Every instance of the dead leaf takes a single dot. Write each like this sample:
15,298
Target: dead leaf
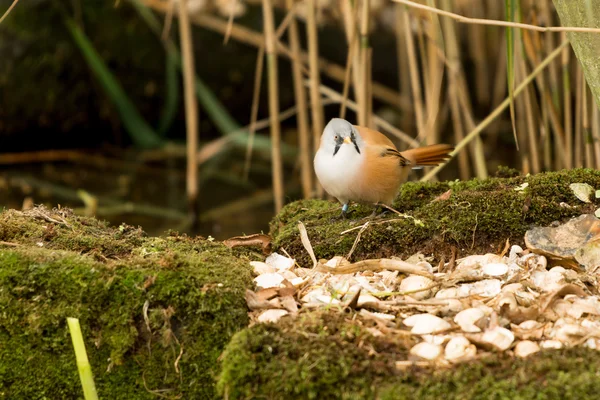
258,239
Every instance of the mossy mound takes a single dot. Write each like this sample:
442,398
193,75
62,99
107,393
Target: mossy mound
155,312
478,217
332,355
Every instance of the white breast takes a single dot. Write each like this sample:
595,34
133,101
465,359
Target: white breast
337,174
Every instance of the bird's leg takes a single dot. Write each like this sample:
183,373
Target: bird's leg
377,211
345,212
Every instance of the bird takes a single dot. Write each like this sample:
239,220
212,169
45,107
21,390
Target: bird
359,164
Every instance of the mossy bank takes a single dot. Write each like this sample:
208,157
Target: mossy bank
332,355
155,312
473,217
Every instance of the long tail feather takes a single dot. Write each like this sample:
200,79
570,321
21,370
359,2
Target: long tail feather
429,155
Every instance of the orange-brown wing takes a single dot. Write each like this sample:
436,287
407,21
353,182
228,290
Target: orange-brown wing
383,145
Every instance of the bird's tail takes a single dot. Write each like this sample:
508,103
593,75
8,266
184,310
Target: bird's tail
429,155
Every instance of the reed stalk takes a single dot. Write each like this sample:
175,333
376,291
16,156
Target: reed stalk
304,136
191,109
315,80
271,55
414,75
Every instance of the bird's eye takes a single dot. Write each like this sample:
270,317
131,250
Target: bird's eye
336,137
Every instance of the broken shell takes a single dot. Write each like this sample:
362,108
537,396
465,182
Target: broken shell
279,262
498,337
261,267
423,324
413,283
268,280
377,315
466,319
289,275
297,282
427,351
551,344
548,281
459,348
271,315
515,250
366,300
529,329
583,191
526,348
495,269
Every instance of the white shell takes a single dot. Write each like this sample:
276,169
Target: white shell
583,191
268,280
367,299
261,267
416,282
525,348
551,344
427,351
424,324
279,262
499,337
495,269
459,348
466,319
271,315
548,281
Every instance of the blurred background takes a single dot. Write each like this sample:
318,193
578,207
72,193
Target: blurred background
203,115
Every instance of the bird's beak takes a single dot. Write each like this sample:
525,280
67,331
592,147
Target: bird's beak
347,140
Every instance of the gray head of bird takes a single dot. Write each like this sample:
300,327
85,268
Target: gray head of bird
338,133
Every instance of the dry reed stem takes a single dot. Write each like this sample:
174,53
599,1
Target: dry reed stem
168,21
271,55
568,121
585,126
315,81
578,143
454,68
596,134
414,75
304,142
435,72
403,68
353,45
499,109
363,114
532,150
491,22
191,106
14,3
254,109
349,15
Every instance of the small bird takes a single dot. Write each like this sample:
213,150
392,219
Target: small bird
359,164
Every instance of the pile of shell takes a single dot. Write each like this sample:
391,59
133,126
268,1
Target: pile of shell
517,301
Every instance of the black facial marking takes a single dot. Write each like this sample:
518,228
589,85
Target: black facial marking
337,147
353,138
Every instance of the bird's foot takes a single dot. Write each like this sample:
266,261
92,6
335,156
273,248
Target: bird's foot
344,214
380,211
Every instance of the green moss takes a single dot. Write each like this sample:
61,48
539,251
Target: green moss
331,355
193,288
479,216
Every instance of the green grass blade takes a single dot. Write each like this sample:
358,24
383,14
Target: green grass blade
83,364
138,129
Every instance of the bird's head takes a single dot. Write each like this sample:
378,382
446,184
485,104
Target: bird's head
338,133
